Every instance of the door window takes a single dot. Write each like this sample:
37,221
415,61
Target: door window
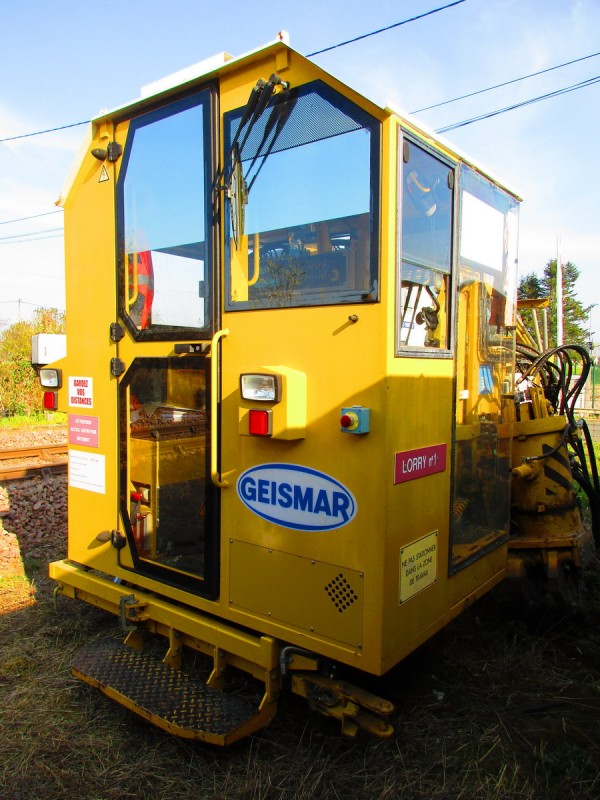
167,498
164,234
425,256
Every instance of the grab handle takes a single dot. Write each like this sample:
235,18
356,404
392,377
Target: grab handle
214,400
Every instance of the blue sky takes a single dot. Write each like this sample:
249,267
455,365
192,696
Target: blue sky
66,61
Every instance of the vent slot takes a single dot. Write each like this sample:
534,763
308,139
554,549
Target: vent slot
341,593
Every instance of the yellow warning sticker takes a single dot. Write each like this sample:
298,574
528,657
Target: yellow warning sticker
418,566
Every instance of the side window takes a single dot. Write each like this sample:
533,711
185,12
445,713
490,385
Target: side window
164,251
303,208
425,250
485,315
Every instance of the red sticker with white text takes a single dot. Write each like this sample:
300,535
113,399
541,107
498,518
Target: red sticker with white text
83,430
418,463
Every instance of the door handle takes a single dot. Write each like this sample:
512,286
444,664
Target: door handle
214,399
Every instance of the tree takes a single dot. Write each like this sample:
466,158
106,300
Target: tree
530,286
574,313
19,385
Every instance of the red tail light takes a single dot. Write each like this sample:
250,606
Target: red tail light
259,422
50,401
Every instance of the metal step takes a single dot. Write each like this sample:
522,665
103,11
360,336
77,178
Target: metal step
171,699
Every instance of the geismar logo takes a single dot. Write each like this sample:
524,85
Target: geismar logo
296,497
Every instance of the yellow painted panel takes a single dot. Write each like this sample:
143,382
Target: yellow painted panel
325,599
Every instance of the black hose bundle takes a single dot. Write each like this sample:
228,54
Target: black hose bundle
554,370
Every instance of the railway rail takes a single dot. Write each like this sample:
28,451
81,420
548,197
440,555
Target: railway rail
25,462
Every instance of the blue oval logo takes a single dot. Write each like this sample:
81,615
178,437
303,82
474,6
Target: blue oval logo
296,497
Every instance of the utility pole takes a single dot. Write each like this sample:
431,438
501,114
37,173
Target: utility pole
559,296
591,349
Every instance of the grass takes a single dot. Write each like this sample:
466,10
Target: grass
492,708
16,592
495,707
40,419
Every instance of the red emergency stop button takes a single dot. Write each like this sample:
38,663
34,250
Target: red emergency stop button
349,421
355,419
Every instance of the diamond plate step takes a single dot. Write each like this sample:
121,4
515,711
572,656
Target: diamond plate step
171,699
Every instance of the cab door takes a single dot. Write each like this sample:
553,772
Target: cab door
166,321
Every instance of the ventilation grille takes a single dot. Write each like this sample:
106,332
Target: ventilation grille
341,593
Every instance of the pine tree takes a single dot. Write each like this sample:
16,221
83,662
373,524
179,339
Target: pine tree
574,313
531,287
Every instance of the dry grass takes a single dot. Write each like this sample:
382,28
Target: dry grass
491,709
16,592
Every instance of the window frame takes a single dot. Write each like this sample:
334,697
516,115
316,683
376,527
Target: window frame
415,351
465,173
206,585
366,121
206,97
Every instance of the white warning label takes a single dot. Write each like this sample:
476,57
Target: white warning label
87,471
81,392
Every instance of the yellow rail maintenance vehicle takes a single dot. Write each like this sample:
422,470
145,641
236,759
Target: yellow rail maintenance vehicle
297,409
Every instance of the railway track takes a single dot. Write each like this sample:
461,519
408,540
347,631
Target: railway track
25,462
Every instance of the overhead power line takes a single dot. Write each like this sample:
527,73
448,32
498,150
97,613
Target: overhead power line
381,30
48,130
35,238
309,55
455,125
32,216
505,83
31,233
24,302
489,114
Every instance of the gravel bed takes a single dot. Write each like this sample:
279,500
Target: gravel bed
33,512
32,437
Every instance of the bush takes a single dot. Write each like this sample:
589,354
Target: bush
20,392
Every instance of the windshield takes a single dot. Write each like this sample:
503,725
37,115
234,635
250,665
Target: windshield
310,169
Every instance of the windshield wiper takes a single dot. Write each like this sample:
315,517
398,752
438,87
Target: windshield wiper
235,184
280,114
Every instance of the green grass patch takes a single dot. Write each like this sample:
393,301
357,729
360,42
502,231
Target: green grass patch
39,419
